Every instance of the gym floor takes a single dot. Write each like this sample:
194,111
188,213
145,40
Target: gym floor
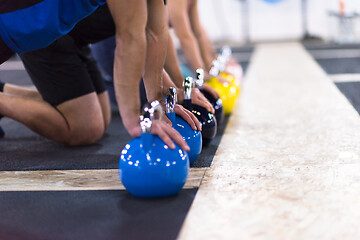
284,165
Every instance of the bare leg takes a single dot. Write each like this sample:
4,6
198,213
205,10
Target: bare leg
26,92
105,107
78,121
32,93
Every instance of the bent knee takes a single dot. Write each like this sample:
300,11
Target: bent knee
86,136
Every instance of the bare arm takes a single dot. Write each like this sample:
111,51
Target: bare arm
176,79
130,20
179,19
172,65
207,50
157,40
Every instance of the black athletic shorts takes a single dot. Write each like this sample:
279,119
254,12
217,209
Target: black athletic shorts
5,51
66,69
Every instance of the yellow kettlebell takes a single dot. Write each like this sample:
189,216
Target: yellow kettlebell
219,67
231,78
227,91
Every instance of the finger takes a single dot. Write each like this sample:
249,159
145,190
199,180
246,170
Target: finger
187,117
158,129
180,95
167,120
183,113
205,104
135,132
211,91
194,118
177,138
209,107
202,101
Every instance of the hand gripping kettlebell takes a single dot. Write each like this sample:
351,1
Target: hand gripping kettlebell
192,137
208,120
148,167
217,103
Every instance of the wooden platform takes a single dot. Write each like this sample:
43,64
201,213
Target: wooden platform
75,180
288,166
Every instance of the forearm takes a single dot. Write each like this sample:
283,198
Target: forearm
157,40
154,65
130,20
172,64
127,75
207,50
192,52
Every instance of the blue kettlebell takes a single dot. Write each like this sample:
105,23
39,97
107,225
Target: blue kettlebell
208,120
148,168
217,103
192,137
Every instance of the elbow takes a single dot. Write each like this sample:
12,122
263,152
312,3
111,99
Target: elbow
186,40
130,40
157,35
130,36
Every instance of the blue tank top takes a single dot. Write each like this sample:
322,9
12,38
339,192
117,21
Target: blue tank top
25,26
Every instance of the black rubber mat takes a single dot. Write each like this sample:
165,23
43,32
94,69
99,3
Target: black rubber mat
243,49
332,46
340,65
244,65
351,90
23,150
91,215
208,152
318,44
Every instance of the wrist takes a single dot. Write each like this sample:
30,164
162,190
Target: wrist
180,95
206,76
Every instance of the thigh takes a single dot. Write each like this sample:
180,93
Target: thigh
84,118
82,111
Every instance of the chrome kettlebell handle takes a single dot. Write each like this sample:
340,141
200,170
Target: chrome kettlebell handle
171,100
224,57
151,111
226,52
199,82
222,62
214,71
188,83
